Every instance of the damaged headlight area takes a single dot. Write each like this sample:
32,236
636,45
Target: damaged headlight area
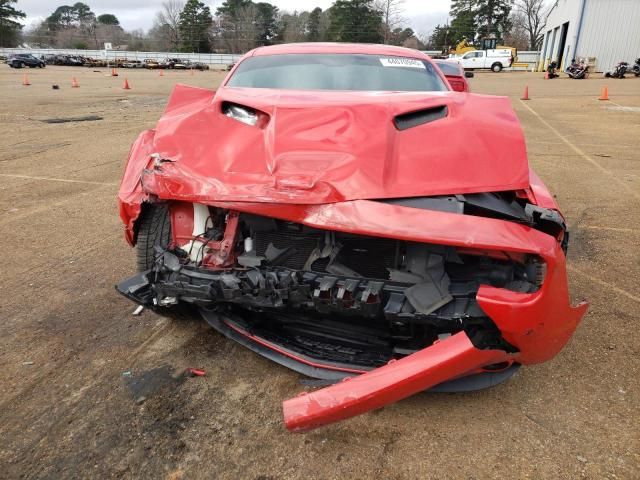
337,299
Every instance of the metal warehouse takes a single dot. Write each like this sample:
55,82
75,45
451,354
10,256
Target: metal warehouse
605,31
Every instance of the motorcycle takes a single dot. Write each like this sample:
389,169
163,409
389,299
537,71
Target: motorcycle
636,68
619,70
551,70
577,70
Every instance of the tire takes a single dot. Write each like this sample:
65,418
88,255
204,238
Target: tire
496,67
22,65
154,229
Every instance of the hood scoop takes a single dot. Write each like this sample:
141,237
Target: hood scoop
420,117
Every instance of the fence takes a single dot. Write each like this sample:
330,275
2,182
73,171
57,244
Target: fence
208,58
530,58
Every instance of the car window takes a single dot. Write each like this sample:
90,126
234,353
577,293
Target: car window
449,68
353,72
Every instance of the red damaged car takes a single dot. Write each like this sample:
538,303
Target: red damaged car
338,209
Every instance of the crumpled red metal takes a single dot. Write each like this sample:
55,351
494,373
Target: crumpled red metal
317,149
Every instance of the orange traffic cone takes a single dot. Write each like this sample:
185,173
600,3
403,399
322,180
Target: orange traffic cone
114,73
525,94
25,80
161,74
74,83
126,86
605,93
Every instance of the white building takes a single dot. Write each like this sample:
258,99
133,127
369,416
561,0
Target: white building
607,30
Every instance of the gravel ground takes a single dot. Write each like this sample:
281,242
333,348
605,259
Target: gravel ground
91,391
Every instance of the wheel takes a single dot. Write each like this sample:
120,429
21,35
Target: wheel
496,67
41,65
154,229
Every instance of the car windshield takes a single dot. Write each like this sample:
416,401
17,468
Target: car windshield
337,72
449,68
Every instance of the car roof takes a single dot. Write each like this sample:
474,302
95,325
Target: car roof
322,47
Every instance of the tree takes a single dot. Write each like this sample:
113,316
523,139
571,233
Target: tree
63,17
355,21
439,39
517,37
238,25
83,14
463,21
492,17
267,26
166,25
402,36
391,17
462,26
9,27
107,19
195,22
531,16
313,25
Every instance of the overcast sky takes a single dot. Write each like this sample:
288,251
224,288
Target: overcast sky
421,15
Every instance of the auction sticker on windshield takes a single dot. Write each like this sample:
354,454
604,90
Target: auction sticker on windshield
402,62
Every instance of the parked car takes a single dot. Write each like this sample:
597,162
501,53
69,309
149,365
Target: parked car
338,209
152,64
133,64
496,59
196,65
176,63
48,59
455,74
95,62
21,60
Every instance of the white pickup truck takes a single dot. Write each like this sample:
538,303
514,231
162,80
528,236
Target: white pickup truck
495,60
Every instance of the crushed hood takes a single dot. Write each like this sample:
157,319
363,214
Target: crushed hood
322,147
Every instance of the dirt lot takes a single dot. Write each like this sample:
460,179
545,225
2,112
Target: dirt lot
91,391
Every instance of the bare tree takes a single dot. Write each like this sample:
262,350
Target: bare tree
239,31
392,18
532,16
517,36
167,23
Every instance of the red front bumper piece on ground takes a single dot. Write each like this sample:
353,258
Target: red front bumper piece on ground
447,359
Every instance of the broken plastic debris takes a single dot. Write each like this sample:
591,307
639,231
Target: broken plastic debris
127,373
194,372
27,363
139,309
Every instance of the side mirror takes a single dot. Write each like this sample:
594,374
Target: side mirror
468,74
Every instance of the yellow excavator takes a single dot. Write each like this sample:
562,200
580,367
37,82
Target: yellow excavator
485,44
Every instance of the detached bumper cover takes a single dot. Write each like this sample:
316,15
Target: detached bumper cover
450,358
